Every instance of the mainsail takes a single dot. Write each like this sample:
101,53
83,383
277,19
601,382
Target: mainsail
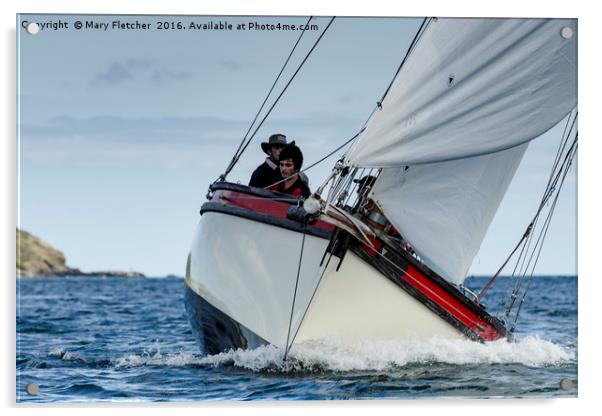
456,122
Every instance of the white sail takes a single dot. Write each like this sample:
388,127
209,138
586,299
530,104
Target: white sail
472,87
444,209
459,114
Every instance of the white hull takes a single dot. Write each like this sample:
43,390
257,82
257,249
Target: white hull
357,304
247,270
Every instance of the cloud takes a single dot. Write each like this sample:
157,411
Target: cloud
314,127
165,76
137,63
134,69
230,65
346,99
115,140
116,74
146,130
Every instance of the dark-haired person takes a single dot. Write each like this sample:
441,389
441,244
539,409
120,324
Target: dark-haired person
268,172
291,161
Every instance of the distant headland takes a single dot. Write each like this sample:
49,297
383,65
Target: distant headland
37,258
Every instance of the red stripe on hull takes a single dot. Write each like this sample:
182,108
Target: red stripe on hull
266,206
450,304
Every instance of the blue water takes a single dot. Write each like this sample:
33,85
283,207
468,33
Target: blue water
92,340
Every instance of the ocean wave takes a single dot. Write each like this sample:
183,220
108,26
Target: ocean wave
380,356
64,355
157,359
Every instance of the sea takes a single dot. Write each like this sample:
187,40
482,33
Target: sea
90,340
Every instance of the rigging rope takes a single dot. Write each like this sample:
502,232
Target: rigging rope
417,36
518,279
541,237
336,233
543,232
425,22
529,256
236,154
550,188
290,321
569,156
237,157
495,276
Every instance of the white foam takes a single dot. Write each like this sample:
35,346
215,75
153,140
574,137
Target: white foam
63,354
57,352
258,359
156,359
333,356
380,356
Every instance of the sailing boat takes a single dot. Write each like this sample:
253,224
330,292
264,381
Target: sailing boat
387,260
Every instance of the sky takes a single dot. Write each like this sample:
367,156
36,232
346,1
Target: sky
121,131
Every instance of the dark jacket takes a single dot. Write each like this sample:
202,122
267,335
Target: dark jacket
265,176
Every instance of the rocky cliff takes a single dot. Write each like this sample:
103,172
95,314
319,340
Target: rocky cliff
37,258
